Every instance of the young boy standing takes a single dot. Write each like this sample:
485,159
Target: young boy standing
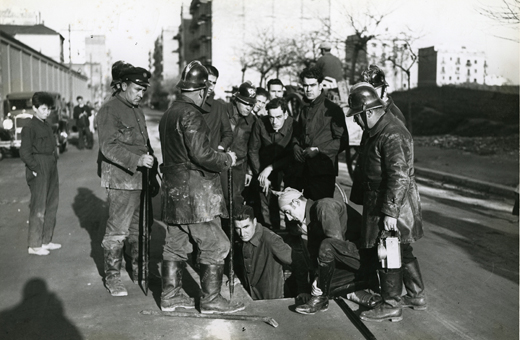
38,152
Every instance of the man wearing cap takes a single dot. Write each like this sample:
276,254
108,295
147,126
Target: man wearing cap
317,136
242,120
192,198
215,115
125,152
331,236
328,64
391,200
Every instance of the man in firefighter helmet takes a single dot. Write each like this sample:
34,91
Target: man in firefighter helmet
390,200
192,198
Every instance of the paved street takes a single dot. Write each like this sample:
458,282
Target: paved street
469,260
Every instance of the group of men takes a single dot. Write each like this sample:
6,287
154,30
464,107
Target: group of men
289,165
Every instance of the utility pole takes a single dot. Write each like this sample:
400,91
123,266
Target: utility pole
70,78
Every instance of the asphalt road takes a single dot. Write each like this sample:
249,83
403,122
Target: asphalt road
469,260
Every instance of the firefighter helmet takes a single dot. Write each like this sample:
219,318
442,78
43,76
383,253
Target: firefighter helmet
363,96
374,76
194,77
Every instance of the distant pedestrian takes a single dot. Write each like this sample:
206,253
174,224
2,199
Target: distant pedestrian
81,115
38,152
328,64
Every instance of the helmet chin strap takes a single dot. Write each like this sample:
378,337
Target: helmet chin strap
364,117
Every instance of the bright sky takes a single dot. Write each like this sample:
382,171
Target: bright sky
132,26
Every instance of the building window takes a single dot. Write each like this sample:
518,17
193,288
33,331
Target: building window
475,61
475,70
457,78
469,72
450,58
450,77
442,70
475,80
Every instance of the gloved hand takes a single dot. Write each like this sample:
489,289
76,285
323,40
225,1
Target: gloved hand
299,154
311,152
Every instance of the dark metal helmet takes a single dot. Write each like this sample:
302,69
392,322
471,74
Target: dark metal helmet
194,77
363,96
374,76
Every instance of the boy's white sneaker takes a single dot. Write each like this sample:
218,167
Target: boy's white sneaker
38,251
51,246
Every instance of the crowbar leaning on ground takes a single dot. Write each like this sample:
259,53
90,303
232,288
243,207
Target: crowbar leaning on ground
266,319
231,231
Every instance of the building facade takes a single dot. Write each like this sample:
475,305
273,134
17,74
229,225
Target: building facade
211,37
440,66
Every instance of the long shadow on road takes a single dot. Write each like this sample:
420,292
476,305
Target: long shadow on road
39,315
493,250
92,213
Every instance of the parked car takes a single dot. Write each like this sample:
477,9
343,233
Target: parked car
18,110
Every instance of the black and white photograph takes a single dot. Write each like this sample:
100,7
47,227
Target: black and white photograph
259,169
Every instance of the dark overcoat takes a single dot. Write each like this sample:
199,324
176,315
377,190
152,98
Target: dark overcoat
191,189
388,179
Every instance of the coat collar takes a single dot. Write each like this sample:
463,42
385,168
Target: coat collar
381,123
259,231
188,100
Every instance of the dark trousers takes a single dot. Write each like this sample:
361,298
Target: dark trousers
84,133
43,206
123,217
270,211
212,243
239,179
319,187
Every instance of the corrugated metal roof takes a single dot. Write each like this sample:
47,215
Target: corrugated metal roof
24,29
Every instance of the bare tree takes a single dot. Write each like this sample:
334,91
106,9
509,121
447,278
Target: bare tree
506,14
268,54
403,57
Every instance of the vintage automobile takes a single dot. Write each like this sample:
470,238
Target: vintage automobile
18,111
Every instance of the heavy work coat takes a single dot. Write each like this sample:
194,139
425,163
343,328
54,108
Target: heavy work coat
123,139
388,181
191,189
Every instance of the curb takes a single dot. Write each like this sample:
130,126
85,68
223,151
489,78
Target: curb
466,182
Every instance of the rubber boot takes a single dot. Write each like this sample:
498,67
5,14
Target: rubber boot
211,301
412,278
113,259
391,288
171,296
320,303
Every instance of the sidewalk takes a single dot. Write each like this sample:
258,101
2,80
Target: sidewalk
496,174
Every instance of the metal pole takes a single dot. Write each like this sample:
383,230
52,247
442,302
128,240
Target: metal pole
231,272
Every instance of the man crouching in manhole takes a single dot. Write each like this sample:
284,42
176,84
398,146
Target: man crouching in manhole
341,270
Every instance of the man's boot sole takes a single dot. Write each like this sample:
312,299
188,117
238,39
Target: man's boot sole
118,294
171,309
309,313
222,312
392,319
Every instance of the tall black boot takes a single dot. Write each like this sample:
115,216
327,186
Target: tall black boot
211,301
391,289
113,259
171,296
412,278
320,303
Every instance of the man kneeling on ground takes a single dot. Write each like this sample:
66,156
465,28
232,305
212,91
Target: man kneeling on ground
324,223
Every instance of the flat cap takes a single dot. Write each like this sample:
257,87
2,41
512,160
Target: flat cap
326,45
137,75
